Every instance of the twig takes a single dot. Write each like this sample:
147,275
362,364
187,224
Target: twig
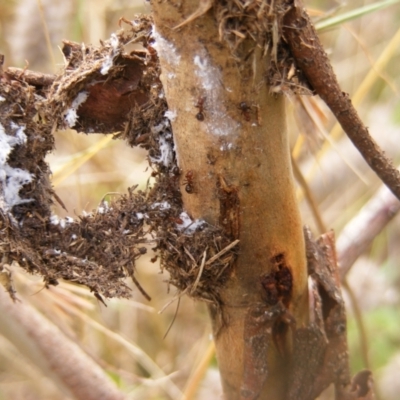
178,296
31,77
313,61
196,282
140,288
359,233
222,252
174,318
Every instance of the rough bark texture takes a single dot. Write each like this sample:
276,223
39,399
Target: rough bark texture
236,155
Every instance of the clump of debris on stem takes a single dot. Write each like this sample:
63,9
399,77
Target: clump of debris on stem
99,249
246,25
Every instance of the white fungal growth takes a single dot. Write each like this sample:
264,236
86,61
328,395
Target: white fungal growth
20,133
2,98
107,64
103,208
188,225
161,206
167,153
114,41
171,115
218,121
209,75
165,49
56,220
109,60
71,115
11,179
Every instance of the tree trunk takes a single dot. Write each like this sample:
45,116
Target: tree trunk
232,147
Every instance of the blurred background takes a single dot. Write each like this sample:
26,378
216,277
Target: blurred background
365,53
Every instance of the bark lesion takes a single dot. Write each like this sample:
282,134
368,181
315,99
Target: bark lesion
318,355
278,284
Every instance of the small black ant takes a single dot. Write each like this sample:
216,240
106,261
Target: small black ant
200,106
189,181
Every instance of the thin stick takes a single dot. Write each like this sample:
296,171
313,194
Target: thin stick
313,61
196,282
139,286
359,233
222,252
31,77
171,301
174,318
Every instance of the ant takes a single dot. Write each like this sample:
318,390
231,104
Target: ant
245,110
200,106
189,181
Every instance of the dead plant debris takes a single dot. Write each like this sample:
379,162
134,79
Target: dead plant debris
99,249
247,24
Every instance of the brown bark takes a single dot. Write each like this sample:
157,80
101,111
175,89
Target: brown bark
237,157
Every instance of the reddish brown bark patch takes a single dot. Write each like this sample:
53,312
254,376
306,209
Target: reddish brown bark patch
277,284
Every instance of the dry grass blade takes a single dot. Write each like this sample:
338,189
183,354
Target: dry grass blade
196,282
194,382
59,357
360,94
222,252
353,14
141,357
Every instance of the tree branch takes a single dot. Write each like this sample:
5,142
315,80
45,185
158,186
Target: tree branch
314,63
359,233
